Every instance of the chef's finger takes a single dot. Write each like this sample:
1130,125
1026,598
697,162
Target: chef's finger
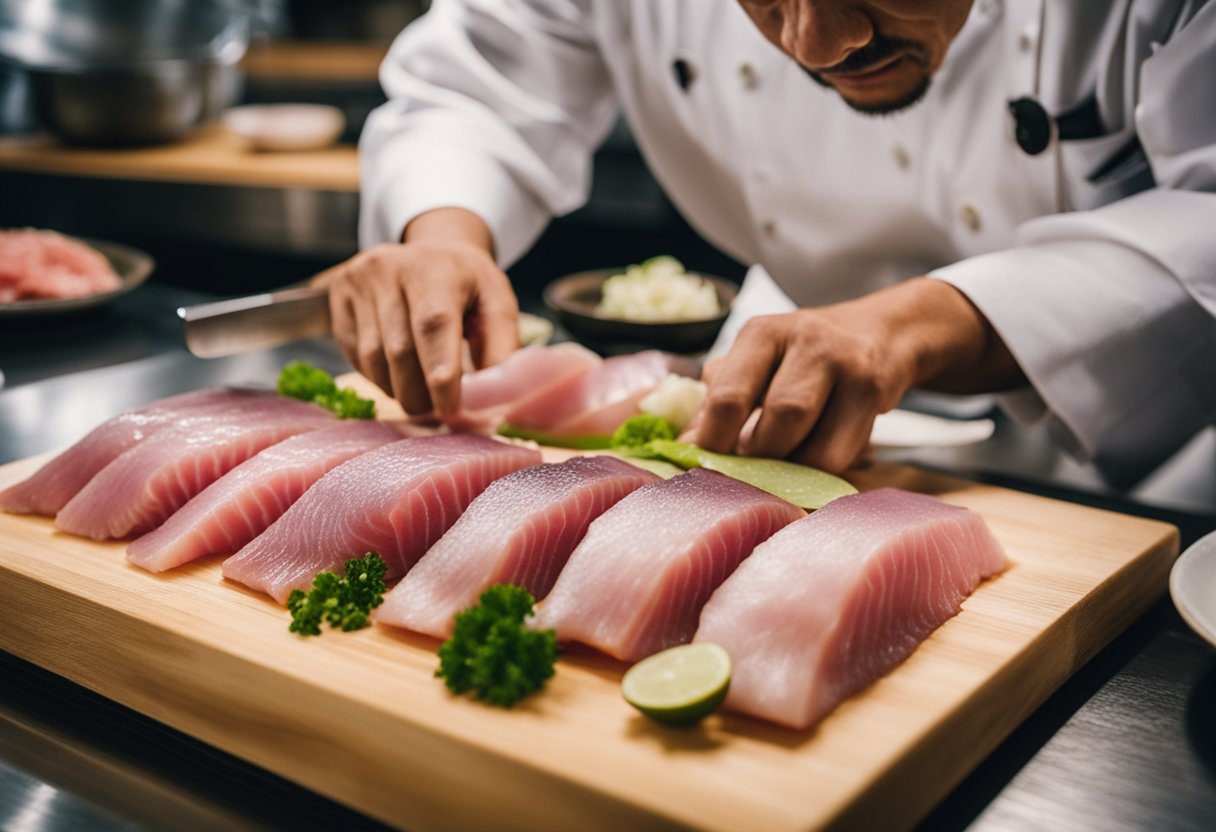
734,384
794,402
436,326
342,322
408,384
843,431
494,328
369,347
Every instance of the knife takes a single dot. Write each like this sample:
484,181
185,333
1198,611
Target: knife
256,322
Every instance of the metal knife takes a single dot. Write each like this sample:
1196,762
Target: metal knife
256,322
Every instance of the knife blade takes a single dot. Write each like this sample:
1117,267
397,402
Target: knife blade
255,322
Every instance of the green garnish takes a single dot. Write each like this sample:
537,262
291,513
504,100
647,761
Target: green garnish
312,384
640,429
344,602
579,443
637,457
801,485
492,654
680,685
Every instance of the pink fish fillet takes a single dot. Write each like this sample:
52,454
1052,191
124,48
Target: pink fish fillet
520,530
831,603
140,489
597,401
239,506
636,583
50,488
524,373
396,501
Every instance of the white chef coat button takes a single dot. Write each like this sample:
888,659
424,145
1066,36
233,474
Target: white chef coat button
748,75
970,216
769,228
902,159
1025,41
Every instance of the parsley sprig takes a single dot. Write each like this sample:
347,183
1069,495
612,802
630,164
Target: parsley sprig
303,381
492,654
343,602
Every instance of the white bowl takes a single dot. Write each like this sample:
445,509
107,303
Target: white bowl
286,126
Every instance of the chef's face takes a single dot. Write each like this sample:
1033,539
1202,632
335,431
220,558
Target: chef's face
878,54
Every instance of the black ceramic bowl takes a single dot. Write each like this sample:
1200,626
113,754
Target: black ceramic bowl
574,299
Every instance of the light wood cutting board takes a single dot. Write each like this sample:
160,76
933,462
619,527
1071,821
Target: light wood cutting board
359,717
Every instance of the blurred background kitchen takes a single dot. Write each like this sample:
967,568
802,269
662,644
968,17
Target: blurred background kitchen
150,81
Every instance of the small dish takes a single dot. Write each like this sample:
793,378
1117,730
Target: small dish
286,127
133,267
574,299
1193,586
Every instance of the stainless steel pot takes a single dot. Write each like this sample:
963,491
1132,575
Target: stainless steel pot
126,73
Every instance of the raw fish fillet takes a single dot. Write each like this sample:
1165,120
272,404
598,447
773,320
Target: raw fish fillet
239,506
396,501
636,583
37,264
520,530
525,373
831,603
140,489
50,488
597,401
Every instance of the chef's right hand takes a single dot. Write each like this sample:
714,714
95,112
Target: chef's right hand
400,311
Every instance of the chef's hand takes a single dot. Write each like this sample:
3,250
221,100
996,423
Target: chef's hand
819,376
400,311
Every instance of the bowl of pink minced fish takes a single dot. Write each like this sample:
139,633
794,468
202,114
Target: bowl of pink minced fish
45,272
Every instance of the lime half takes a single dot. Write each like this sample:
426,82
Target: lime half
679,685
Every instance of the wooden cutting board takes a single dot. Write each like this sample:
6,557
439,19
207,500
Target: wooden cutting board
359,717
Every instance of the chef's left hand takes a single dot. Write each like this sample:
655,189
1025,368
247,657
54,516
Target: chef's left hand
821,375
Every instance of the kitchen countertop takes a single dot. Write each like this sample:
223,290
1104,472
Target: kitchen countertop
1128,743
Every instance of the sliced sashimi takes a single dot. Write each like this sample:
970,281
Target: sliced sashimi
525,373
520,531
636,583
240,505
831,603
51,486
396,501
140,489
597,401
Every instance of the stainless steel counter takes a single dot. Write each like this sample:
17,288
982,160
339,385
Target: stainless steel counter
1128,743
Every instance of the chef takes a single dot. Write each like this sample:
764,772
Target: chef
1015,197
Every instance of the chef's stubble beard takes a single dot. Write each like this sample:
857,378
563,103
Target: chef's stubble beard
873,53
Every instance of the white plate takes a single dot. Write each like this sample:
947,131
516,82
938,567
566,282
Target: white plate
287,127
1193,586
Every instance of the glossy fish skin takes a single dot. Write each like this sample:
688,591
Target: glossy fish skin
54,484
239,506
636,583
140,489
833,602
396,500
597,401
521,530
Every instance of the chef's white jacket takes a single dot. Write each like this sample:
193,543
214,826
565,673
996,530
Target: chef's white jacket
1094,260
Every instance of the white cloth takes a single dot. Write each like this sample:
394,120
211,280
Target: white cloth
1105,292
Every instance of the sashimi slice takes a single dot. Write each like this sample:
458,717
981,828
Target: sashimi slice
636,583
137,491
597,401
831,603
239,506
396,501
525,373
520,530
52,485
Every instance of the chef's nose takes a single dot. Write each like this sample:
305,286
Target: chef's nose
822,33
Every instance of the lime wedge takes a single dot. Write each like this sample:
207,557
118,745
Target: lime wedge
801,485
680,685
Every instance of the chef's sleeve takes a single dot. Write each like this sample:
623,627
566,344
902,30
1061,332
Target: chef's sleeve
495,106
1111,312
